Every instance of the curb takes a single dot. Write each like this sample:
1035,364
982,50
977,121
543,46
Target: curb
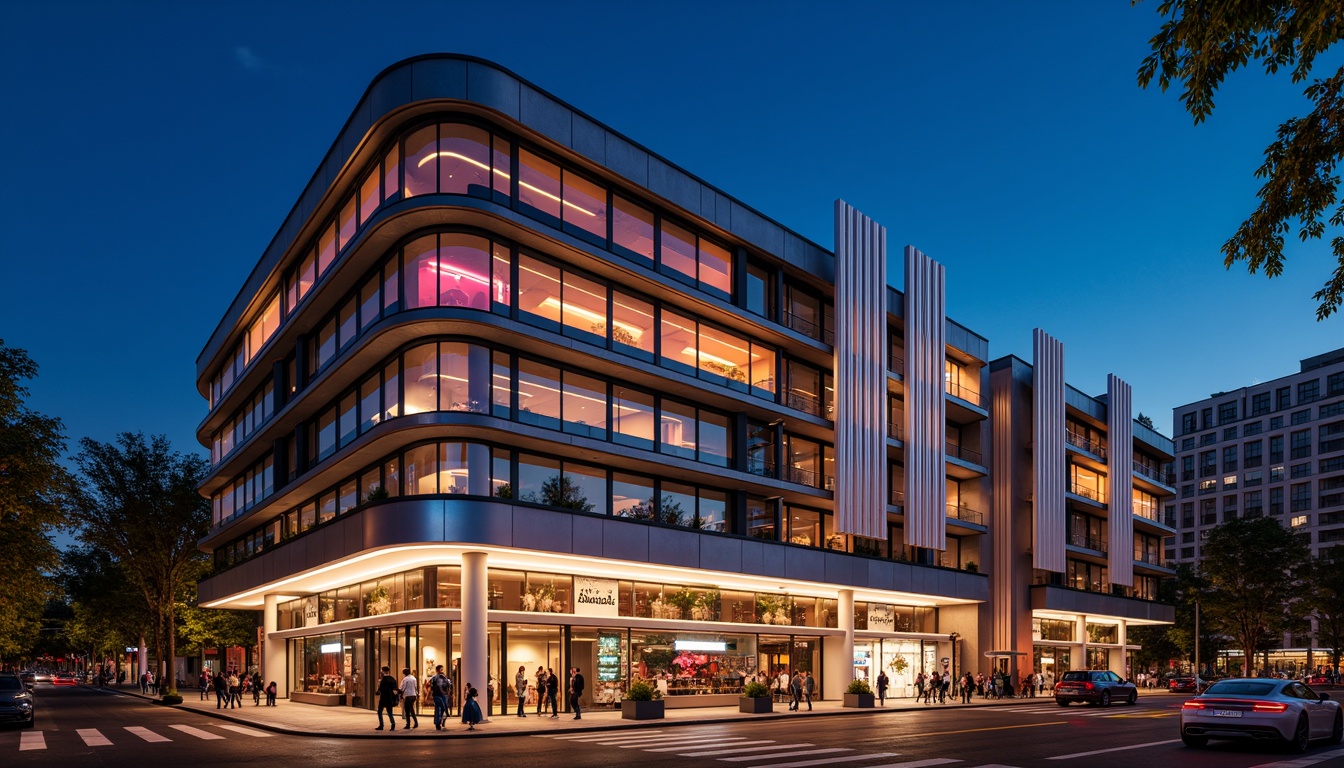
622,726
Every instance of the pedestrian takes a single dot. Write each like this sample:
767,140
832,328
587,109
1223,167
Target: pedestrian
438,688
809,685
221,692
935,687
575,692
882,683
967,687
410,693
235,690
520,688
795,690
782,684
471,711
256,689
541,690
919,686
553,692
387,699
270,694
203,682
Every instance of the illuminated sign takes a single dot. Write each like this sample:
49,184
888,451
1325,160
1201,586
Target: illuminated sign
330,648
717,646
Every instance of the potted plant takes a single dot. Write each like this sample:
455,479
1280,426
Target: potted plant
971,567
755,700
859,695
642,702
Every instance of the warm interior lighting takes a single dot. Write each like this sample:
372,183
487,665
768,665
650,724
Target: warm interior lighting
486,168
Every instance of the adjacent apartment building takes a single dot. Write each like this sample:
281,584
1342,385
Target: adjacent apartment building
1271,449
508,389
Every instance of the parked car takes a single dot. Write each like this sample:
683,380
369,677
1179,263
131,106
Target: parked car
64,678
1094,686
1260,708
16,701
1187,685
29,679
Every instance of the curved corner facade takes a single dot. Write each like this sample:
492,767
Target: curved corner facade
509,389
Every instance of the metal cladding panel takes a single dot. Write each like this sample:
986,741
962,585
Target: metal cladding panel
860,374
1120,445
925,401
1002,503
1047,392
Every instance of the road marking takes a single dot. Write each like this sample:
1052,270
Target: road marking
588,736
1302,762
1113,749
682,747
197,732
32,740
694,741
978,730
146,734
931,761
831,760
93,738
773,747
243,729
804,753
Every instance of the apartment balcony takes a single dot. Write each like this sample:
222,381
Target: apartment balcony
1148,558
1165,482
896,425
808,328
965,514
1152,520
808,477
896,365
964,463
808,403
1087,494
1082,540
964,405
1083,444
897,499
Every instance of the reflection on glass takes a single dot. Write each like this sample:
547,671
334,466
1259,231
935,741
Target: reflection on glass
632,414
464,271
421,162
678,250
539,183
464,159
632,229
585,205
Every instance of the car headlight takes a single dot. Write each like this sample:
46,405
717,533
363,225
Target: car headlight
25,705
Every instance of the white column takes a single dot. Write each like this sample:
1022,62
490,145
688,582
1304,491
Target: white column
475,618
1081,661
142,656
1118,667
925,402
838,663
1120,498
1047,499
273,662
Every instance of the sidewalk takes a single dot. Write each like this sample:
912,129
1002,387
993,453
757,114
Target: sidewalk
346,722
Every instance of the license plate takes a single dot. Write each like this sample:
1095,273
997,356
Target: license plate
1226,713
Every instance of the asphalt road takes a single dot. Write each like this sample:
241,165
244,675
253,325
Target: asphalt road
80,726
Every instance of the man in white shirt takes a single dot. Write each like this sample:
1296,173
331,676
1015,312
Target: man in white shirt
410,691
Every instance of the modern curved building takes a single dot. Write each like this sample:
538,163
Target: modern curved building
508,389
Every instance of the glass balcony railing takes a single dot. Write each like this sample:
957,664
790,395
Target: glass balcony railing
965,393
964,453
1095,543
1084,444
965,514
808,328
1151,558
1086,493
1155,474
896,425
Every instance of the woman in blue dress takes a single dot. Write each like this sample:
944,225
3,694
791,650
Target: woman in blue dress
471,711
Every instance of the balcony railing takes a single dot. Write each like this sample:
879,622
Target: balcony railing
963,453
1086,493
965,393
807,327
965,514
898,498
1155,474
761,467
1151,558
896,364
804,402
807,477
1147,512
896,425
1087,542
1082,443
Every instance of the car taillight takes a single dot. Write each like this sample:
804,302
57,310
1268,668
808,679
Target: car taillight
1269,706
1193,705
1089,686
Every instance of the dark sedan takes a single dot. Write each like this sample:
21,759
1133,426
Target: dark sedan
1187,685
16,701
1094,686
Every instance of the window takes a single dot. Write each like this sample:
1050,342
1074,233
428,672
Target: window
1207,486
1253,453
1276,474
1253,428
584,405
1230,433
1227,412
1283,397
1275,449
1187,468
1308,391
1205,418
760,518
1230,458
1333,409
1301,497
1260,404
676,254
760,290
585,208
1229,482
1334,384
538,394
539,185
632,417
1300,417
1254,503
1299,520
632,230
1301,444
1276,422
1208,463
1188,423
632,325
1209,438
584,307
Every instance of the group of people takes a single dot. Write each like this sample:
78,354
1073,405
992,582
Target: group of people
798,687
229,688
407,694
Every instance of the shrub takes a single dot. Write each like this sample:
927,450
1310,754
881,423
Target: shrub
859,686
756,691
171,699
641,690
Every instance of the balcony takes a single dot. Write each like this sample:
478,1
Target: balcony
898,499
896,364
964,453
1094,543
807,403
1149,558
962,392
808,477
1091,494
761,467
896,425
1083,444
806,327
965,514
1156,475
1147,512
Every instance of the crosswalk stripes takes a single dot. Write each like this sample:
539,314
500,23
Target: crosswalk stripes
741,746
146,734
197,732
92,738
32,740
802,753
932,761
243,729
718,741
831,760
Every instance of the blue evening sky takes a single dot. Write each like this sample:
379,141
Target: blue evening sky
152,150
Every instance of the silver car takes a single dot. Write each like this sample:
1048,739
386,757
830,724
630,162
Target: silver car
1261,708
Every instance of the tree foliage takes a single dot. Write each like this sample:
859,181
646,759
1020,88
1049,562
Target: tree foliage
1252,570
1325,595
108,612
200,628
139,502
1199,45
32,482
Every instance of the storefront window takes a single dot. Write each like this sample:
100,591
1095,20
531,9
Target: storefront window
690,664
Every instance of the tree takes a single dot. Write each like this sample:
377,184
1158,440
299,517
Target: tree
1253,572
139,501
201,628
562,491
1325,595
1199,45
32,483
108,612
1146,421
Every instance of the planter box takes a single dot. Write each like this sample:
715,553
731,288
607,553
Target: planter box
320,699
860,700
642,710
760,706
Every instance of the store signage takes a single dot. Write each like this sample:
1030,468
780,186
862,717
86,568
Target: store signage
881,618
595,597
716,646
330,648
310,611
609,657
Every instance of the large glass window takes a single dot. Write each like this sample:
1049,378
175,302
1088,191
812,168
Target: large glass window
678,342
677,254
539,184
677,429
585,206
422,161
422,470
585,306
538,394
632,417
464,271
716,268
422,379
539,292
585,406
632,325
632,229
715,443
421,275
463,159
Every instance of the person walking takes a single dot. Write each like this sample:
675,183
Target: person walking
222,692
410,693
935,687
782,684
438,688
809,686
541,690
520,688
203,682
967,687
795,690
882,682
387,699
471,711
256,689
270,694
553,692
575,692
235,690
